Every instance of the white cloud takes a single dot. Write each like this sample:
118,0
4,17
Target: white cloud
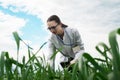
9,24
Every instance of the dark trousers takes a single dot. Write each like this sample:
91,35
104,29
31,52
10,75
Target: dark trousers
67,64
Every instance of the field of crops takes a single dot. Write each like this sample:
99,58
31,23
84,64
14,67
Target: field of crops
88,68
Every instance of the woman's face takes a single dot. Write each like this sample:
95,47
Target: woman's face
53,27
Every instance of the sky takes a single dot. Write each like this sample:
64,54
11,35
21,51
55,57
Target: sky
94,19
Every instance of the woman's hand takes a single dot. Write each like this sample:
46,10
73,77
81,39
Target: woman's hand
73,61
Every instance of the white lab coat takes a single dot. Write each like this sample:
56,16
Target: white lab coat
71,36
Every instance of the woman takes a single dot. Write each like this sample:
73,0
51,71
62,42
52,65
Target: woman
65,40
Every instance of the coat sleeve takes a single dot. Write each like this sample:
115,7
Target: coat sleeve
79,42
51,49
78,39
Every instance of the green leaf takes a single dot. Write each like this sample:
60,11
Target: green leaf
2,64
17,39
115,53
95,64
55,52
34,55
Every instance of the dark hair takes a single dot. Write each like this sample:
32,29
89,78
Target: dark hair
57,20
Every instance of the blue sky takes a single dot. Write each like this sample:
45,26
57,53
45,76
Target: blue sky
31,29
94,19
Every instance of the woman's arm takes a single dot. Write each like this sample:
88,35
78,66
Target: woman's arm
51,50
79,43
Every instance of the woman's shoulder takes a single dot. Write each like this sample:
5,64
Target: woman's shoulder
69,29
52,37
